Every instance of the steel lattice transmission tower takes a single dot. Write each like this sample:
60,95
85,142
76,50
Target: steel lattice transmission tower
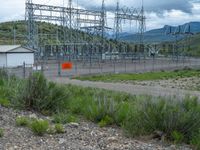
31,25
130,14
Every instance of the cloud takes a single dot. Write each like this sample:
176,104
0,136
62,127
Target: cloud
150,5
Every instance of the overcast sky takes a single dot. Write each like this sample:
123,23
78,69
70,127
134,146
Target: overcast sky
158,12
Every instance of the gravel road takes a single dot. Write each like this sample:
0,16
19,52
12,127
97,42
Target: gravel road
155,90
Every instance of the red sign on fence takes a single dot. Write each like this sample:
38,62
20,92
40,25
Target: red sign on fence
67,66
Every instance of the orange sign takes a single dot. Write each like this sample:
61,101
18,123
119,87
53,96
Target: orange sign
67,66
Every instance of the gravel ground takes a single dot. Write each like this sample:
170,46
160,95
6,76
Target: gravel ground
138,88
82,136
191,83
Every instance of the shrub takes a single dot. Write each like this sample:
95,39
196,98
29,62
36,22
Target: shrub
43,96
39,127
59,128
4,102
98,109
64,118
178,120
1,132
22,121
35,91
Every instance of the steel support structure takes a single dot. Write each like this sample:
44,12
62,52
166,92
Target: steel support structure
132,15
69,19
185,32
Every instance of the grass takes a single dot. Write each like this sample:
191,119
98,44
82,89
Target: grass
1,132
39,127
59,128
143,76
178,120
4,102
64,118
22,121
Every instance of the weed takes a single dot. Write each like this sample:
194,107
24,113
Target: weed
4,102
64,118
59,128
22,121
39,127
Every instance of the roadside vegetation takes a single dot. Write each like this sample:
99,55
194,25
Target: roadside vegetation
161,75
174,120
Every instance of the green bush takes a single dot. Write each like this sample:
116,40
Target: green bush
64,118
39,127
177,119
22,121
40,95
97,109
1,133
4,102
59,128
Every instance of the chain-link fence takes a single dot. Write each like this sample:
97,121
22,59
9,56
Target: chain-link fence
53,68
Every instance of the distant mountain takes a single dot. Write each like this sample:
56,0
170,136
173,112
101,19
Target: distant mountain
160,35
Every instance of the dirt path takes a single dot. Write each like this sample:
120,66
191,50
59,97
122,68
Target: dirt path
131,88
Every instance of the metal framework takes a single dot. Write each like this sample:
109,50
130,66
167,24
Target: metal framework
180,31
68,19
130,14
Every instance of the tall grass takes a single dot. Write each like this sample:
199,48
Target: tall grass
173,118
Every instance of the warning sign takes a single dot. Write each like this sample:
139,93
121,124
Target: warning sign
67,66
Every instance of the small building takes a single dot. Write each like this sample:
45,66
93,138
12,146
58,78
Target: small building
15,55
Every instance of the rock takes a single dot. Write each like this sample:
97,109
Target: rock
61,141
85,129
34,116
73,125
112,139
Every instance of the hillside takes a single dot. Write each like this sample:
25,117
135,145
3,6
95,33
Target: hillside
159,35
52,34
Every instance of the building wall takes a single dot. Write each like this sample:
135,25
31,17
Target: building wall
17,59
2,60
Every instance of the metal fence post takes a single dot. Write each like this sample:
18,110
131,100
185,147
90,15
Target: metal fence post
59,69
125,65
24,70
